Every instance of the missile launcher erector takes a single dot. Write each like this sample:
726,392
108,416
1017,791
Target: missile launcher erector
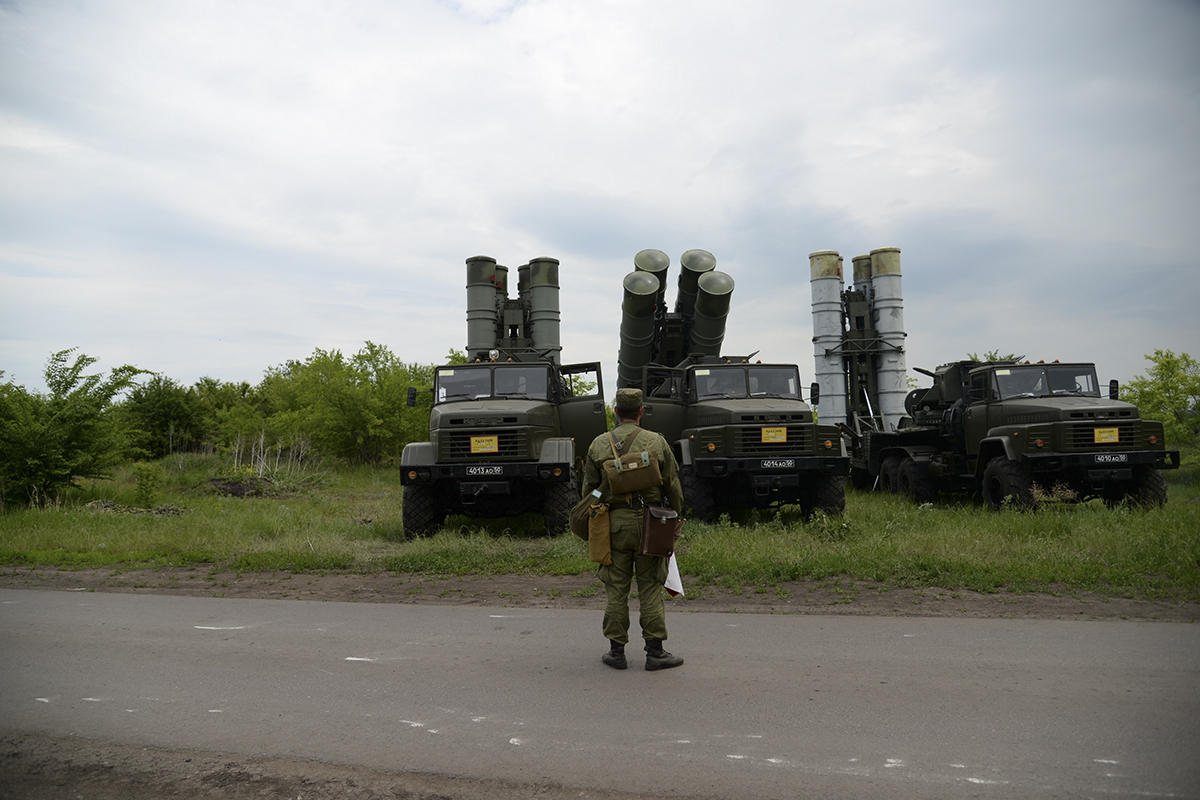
521,327
743,435
503,427
652,335
858,339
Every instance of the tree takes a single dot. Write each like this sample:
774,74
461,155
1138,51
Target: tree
167,417
1169,392
48,442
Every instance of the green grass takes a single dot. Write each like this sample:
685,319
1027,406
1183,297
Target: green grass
347,519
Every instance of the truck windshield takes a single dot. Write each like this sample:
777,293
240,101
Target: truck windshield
1021,382
1077,380
775,382
1045,380
474,383
531,383
709,383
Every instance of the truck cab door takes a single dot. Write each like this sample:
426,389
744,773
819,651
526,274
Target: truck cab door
975,417
581,413
663,394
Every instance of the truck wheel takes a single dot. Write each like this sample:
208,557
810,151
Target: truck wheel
698,496
1149,489
1004,478
419,511
889,474
914,482
557,503
831,494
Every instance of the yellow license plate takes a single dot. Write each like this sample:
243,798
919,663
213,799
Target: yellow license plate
774,435
1107,435
485,444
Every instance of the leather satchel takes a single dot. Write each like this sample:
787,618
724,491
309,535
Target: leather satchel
661,528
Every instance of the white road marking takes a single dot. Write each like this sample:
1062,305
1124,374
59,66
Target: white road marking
93,699
356,658
213,628
42,699
1106,761
515,741
412,724
737,757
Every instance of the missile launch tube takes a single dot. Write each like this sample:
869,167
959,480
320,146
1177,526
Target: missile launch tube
714,290
637,328
692,265
862,274
655,262
889,321
482,321
544,315
825,271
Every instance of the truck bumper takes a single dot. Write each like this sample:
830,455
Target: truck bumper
476,479
1102,462
778,472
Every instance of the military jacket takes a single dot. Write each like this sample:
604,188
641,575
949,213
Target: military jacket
601,450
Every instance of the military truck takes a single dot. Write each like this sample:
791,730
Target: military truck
504,427
1016,431
741,431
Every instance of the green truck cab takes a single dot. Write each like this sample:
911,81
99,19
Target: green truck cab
744,437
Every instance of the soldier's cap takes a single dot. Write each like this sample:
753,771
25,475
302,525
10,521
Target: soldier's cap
629,399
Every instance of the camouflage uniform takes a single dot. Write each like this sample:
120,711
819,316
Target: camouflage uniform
625,524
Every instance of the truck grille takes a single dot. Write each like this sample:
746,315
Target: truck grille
456,445
1082,436
748,442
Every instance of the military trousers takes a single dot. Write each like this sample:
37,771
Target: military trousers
625,525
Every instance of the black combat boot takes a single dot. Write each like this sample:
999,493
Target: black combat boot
615,657
657,658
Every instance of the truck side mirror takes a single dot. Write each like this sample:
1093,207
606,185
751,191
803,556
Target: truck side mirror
814,394
1114,390
412,396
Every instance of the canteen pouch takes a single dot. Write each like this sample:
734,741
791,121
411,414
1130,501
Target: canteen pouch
661,528
599,536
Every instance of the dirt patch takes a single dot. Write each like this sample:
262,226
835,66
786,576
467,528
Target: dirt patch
35,767
831,596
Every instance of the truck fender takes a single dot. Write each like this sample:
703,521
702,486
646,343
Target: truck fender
994,446
558,450
418,453
684,448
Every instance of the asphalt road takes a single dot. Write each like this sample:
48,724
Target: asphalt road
765,707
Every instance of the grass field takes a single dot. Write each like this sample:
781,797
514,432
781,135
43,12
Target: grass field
348,519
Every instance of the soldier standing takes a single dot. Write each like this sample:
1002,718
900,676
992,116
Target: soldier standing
625,526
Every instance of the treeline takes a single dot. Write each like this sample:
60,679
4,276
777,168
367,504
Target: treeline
328,405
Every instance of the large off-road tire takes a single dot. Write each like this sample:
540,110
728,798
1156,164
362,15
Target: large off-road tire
1149,489
1004,478
698,496
557,503
420,512
889,474
914,482
831,494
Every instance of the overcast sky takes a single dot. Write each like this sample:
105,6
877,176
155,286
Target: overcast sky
213,188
